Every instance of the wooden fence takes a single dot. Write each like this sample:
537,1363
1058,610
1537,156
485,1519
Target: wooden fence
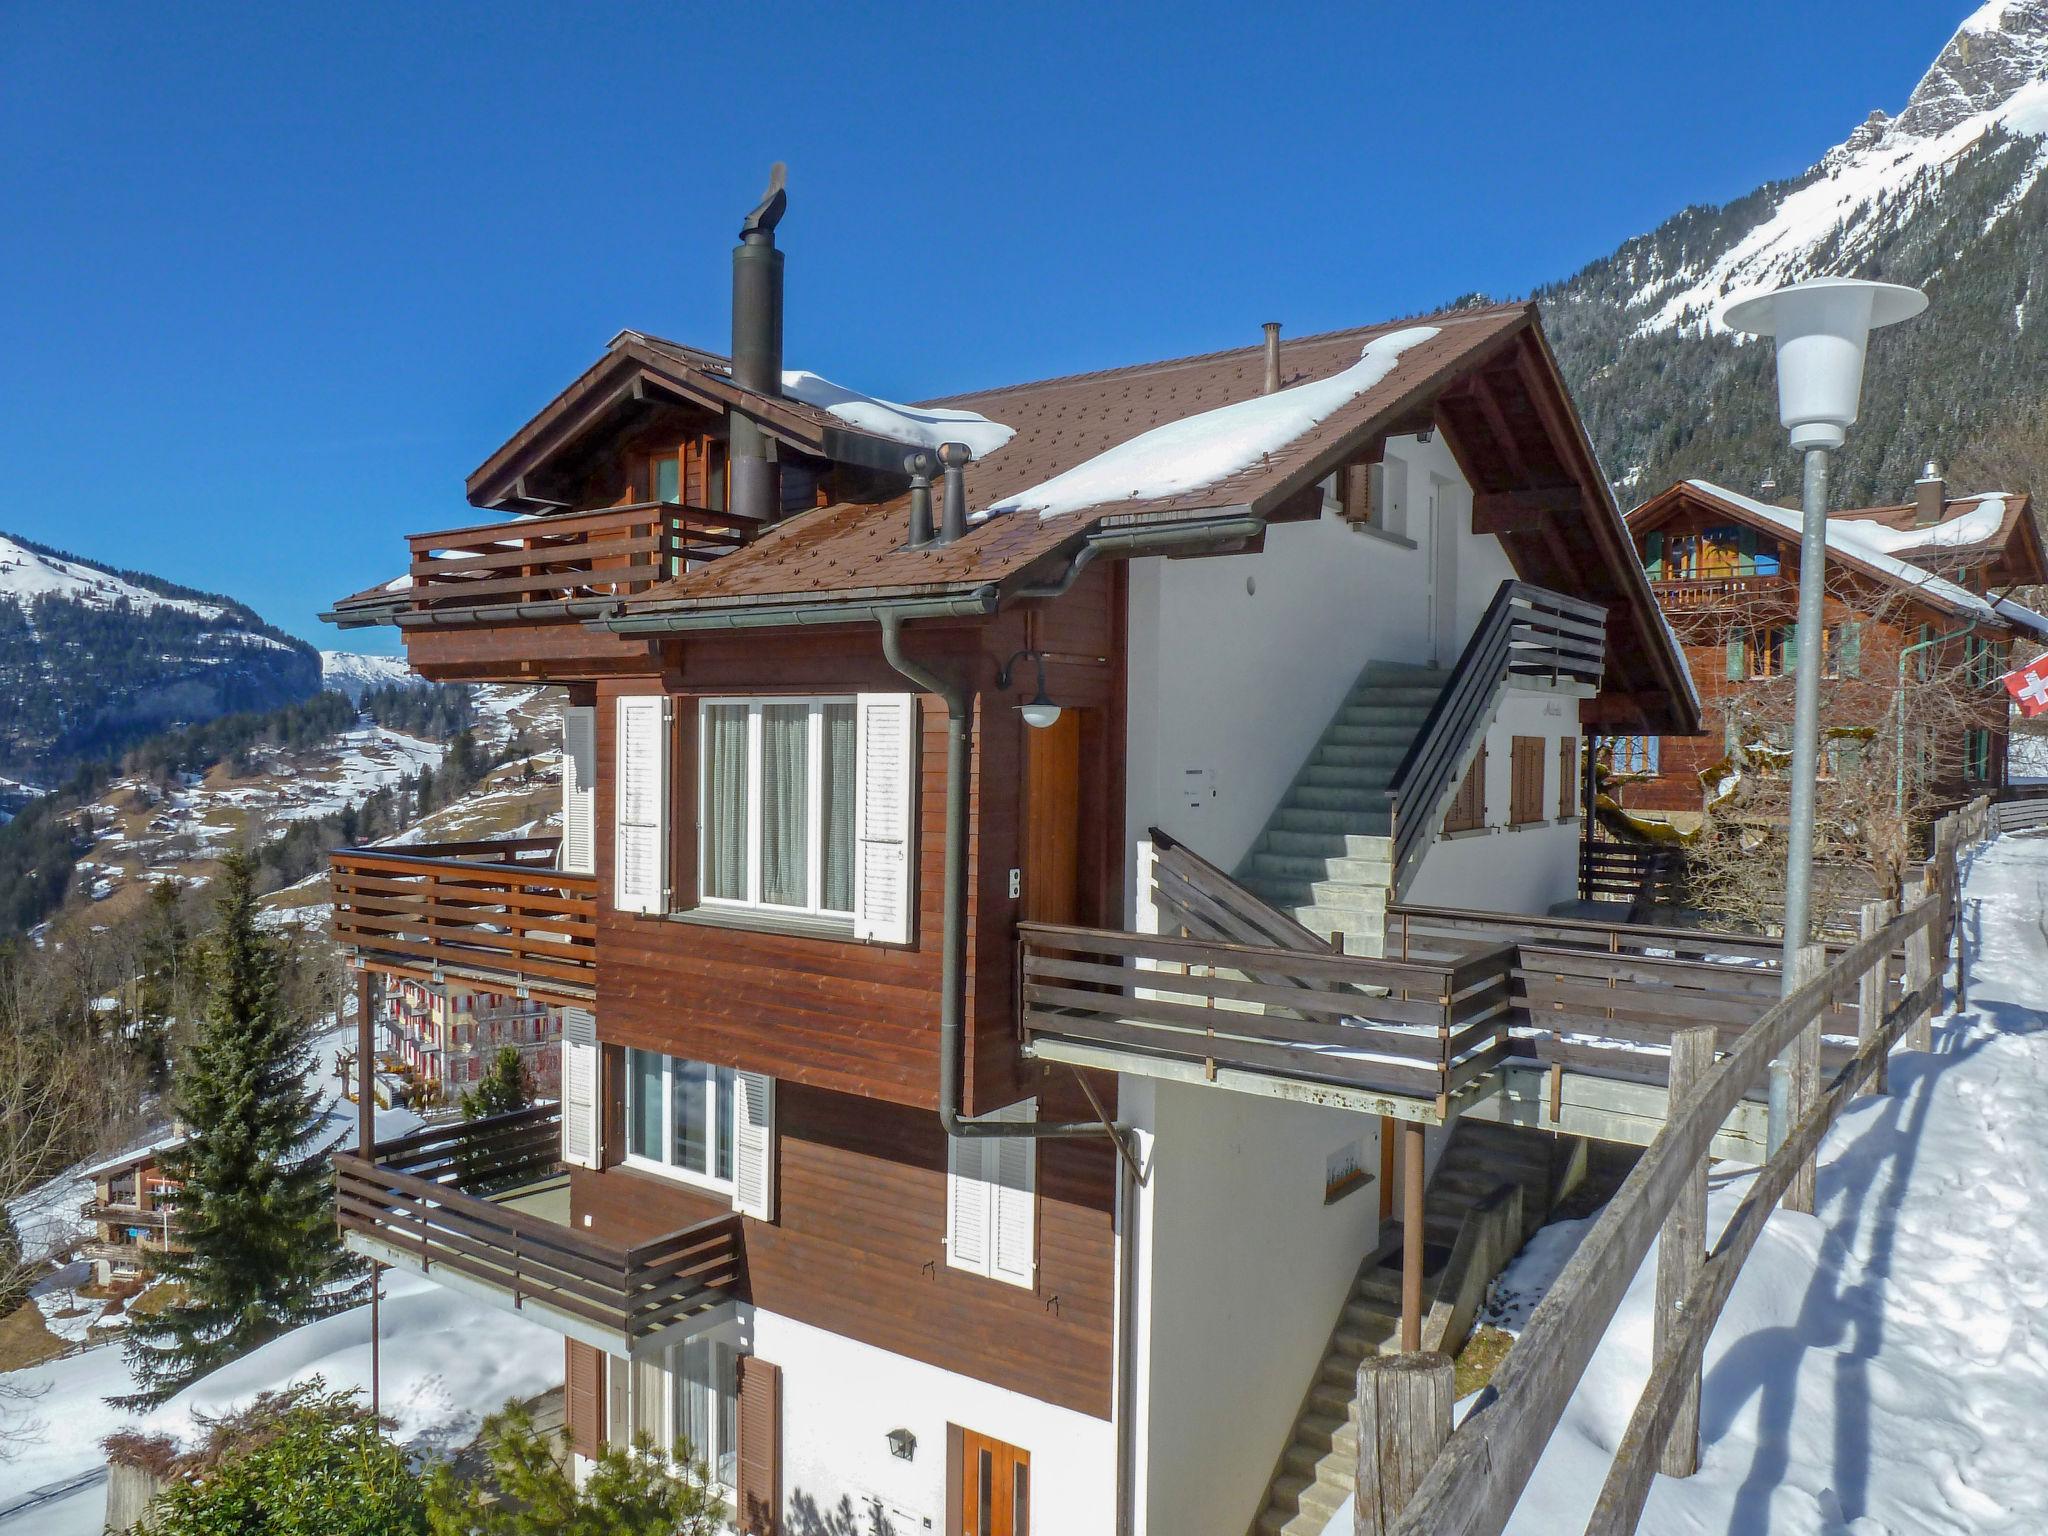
1474,1480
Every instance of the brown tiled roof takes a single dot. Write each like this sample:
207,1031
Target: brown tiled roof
1063,422
2017,516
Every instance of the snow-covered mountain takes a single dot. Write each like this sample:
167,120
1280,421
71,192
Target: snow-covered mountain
354,674
93,658
1948,195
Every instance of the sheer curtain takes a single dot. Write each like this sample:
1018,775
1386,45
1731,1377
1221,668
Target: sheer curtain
840,770
644,1090
725,801
785,804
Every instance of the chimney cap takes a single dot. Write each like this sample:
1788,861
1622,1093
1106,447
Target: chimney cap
954,455
1929,471
774,202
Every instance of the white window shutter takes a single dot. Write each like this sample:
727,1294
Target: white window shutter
753,1150
1013,1166
640,853
579,1105
885,828
967,1204
579,789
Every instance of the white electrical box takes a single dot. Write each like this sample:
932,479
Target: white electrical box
1197,789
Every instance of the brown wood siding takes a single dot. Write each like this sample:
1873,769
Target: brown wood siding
583,1397
760,1417
858,1247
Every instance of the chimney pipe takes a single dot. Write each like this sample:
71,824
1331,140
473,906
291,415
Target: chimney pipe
1930,496
920,464
757,350
1272,357
954,515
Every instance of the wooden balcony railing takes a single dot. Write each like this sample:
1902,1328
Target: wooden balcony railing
425,1204
566,563
495,912
1708,591
1418,1029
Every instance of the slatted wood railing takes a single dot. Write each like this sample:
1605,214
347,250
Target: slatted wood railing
1421,1030
565,560
495,912
1527,633
1475,1480
417,1204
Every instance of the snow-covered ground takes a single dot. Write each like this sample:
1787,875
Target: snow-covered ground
1882,1366
26,574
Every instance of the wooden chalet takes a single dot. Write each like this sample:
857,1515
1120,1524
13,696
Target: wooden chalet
1037,877
1927,580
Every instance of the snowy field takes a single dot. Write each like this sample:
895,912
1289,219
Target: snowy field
1882,1367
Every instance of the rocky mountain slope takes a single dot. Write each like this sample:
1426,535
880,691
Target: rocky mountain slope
93,659
354,674
1949,195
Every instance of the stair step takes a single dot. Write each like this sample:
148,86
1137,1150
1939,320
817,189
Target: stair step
1309,1494
1324,844
1380,1283
1340,797
1328,1431
1340,823
1371,779
1280,1521
1328,921
1350,895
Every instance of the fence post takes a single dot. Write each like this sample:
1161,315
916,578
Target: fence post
1812,961
1404,1417
1870,997
1681,1250
1919,968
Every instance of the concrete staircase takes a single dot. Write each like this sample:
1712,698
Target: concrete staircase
1319,1468
1326,855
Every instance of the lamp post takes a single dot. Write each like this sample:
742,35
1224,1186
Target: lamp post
1822,328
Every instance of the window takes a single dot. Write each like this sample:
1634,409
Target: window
991,1202
690,1393
1774,652
1374,495
1716,554
1632,755
1980,660
1525,791
777,819
1468,808
1567,777
680,1117
1977,755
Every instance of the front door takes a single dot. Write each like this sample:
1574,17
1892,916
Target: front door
995,1487
1052,821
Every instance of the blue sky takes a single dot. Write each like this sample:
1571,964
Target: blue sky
276,278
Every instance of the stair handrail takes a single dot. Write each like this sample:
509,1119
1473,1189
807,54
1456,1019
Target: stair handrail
1526,631
1238,914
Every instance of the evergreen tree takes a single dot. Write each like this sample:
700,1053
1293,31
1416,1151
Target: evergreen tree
262,1254
500,1090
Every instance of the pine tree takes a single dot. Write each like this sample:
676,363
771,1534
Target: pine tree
500,1090
255,1217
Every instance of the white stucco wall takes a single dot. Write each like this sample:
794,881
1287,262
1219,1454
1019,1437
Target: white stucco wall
1510,869
1238,662
841,1397
1242,1269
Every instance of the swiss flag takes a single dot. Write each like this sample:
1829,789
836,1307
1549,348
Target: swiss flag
2029,687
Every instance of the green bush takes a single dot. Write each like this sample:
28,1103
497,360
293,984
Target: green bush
303,1462
641,1492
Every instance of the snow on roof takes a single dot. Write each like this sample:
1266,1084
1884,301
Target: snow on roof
917,426
134,1155
1212,445
2020,614
1981,522
1848,538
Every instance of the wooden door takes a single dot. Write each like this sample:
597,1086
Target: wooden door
995,1487
1052,821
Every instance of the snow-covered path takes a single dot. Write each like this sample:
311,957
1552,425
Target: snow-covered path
1882,1367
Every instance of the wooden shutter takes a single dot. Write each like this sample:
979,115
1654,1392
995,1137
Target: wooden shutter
760,1416
579,789
1525,795
753,1161
640,854
1468,807
1567,777
967,1205
885,819
1653,555
1738,663
583,1397
579,1104
1013,1200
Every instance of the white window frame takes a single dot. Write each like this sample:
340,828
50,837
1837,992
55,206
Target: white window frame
725,1123
661,1420
814,853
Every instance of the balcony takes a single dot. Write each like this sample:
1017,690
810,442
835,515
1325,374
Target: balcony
567,565
497,914
1390,1037
482,1207
1714,591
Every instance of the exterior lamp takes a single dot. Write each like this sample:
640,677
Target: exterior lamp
902,1444
1040,711
1822,328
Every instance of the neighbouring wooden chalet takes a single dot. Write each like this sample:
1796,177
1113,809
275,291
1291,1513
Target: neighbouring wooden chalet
1924,583
1053,916
132,1213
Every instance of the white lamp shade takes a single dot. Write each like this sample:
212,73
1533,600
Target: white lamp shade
1040,713
1822,327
